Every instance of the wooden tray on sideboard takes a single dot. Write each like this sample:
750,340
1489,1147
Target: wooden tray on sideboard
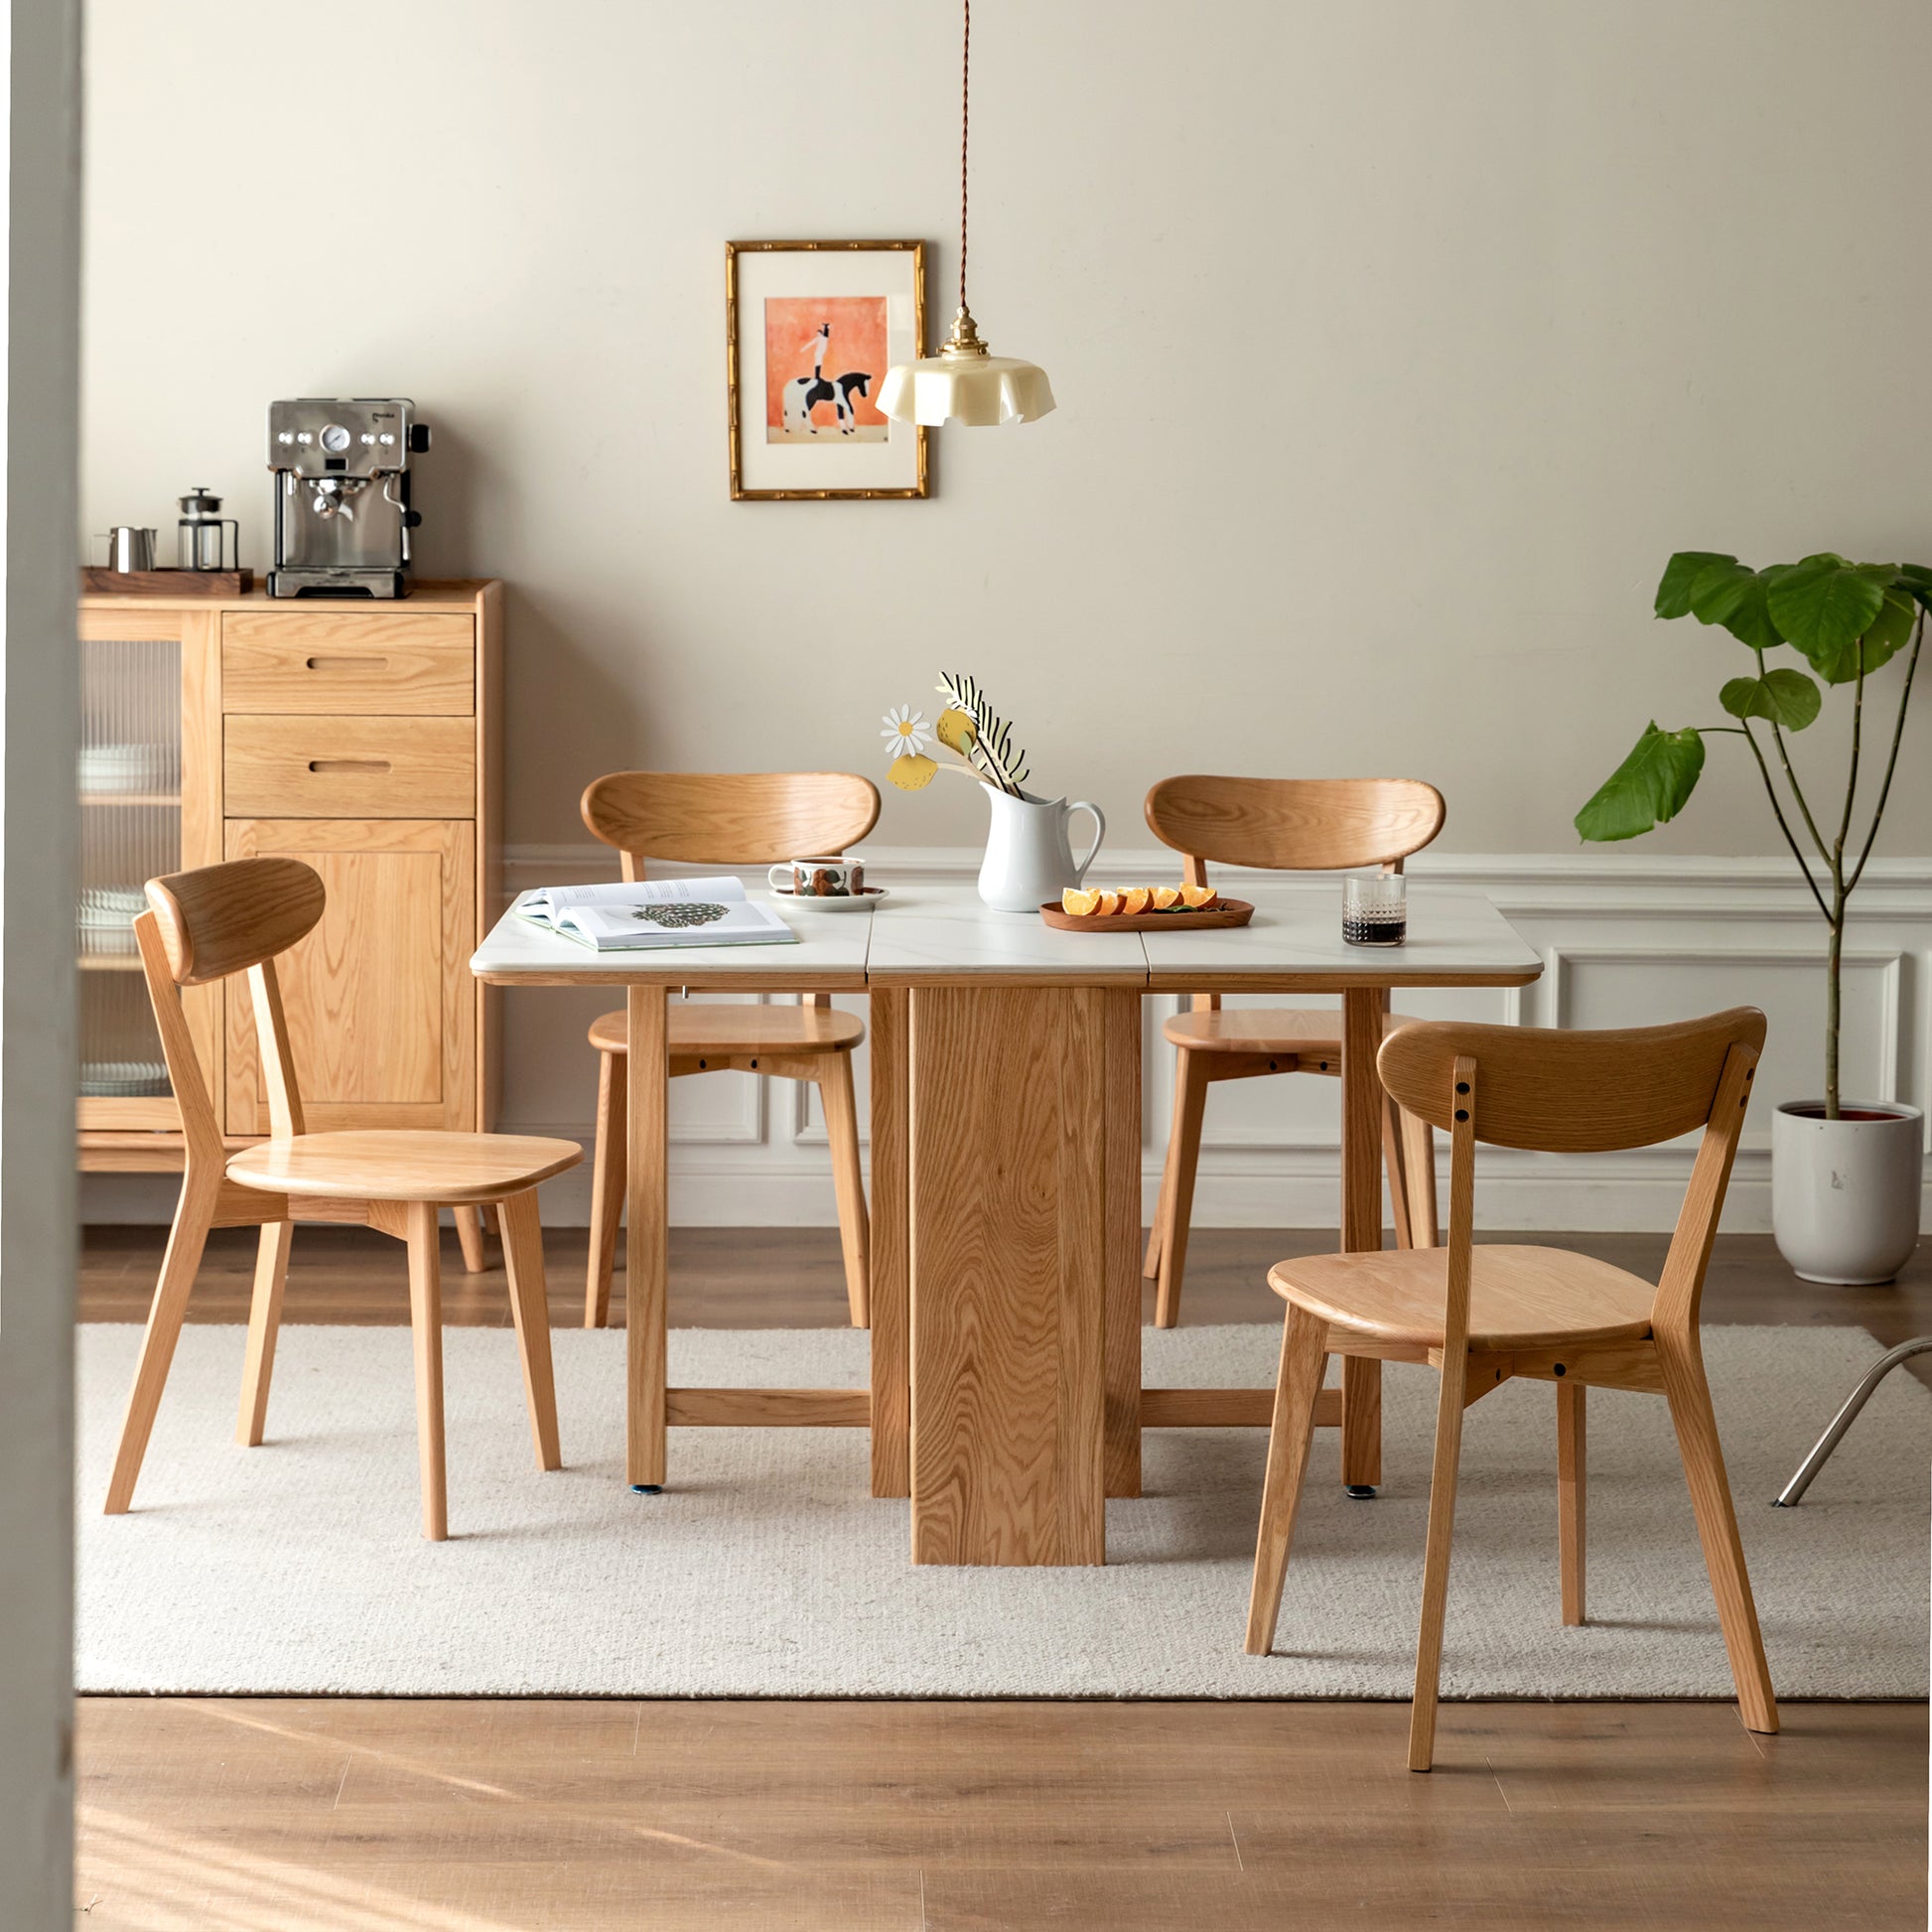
1227,911
97,582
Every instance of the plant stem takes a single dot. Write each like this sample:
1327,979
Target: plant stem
1833,959
1840,892
1771,792
1891,762
1790,774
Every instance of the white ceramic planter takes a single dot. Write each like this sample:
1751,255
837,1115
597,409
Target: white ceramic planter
1845,1194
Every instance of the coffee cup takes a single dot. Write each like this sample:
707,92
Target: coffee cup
819,878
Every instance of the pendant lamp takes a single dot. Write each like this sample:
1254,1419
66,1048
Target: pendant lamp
964,382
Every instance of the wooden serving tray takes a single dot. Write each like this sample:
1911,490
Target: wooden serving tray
97,582
1230,911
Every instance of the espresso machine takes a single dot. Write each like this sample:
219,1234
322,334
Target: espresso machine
342,495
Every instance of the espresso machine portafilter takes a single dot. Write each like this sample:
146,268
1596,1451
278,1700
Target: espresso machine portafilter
342,495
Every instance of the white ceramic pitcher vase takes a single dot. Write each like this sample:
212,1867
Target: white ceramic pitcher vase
1029,856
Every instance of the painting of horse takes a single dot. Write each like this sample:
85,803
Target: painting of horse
824,358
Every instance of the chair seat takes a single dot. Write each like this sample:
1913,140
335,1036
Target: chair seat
404,1165
1308,1032
1519,1297
733,1032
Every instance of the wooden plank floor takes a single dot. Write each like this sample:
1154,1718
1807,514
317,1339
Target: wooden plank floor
473,1815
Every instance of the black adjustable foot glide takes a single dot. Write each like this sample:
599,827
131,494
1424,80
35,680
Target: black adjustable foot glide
657,1489
1360,1492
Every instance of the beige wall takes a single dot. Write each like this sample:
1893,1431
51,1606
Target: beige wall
1397,344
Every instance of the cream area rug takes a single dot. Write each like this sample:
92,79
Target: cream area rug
767,1569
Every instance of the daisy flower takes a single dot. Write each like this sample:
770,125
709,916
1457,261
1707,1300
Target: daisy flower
906,732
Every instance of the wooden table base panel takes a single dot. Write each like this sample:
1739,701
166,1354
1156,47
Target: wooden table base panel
892,1397
1010,1265
1121,1046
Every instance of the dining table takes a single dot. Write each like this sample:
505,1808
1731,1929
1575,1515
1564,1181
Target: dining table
1006,1396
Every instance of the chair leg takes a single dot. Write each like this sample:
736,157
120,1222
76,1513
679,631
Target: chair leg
1157,1234
426,1327
841,1134
1570,1487
1419,1179
530,1308
264,1324
470,1237
1178,1192
1696,1424
1436,1561
1394,1165
179,1266
607,1186
1298,1385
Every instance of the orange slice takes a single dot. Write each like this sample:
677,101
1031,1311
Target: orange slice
1080,904
1197,899
1166,897
1109,905
1134,898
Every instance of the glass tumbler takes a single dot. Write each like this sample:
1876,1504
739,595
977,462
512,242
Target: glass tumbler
1375,911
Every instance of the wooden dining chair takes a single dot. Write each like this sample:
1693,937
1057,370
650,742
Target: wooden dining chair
204,926
733,818
1285,825
1480,1316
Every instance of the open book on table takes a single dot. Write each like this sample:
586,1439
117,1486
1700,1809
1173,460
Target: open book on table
624,917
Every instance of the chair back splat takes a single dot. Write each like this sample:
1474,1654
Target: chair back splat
1294,824
729,818
221,919
207,926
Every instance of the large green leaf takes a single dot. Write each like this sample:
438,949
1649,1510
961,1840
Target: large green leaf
1789,697
1682,569
1729,594
1916,578
1889,629
1825,604
1648,788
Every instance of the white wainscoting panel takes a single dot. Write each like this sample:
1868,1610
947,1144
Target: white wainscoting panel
1627,940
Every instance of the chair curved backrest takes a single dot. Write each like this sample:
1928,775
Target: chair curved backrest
206,925
1578,1093
222,920
729,818
1294,824
1565,1092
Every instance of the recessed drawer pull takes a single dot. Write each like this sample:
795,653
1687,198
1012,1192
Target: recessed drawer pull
349,767
347,663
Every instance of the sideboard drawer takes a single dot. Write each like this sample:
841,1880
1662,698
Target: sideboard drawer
329,662
348,767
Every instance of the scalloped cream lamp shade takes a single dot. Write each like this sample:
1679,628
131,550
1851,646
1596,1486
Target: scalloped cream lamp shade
963,382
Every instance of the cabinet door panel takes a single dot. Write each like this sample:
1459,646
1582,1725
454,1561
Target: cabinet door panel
380,1002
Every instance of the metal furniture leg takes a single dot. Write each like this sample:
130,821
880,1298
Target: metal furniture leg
1787,1497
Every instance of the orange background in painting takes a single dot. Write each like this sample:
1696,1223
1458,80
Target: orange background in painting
858,342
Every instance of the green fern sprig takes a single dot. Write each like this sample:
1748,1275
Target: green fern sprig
993,751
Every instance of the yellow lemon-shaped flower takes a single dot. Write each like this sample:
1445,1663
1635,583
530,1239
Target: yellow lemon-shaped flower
956,729
913,772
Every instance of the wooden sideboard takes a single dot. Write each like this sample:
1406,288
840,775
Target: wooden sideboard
361,738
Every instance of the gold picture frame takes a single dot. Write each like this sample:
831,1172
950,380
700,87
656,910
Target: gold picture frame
783,446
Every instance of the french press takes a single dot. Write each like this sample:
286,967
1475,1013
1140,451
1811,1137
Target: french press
200,542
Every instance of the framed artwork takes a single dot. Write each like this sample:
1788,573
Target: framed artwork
810,330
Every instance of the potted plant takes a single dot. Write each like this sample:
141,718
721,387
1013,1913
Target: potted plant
1845,1175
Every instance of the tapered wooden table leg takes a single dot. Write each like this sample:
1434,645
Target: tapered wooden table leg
1361,1222
1011,1258
646,1258
892,1394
